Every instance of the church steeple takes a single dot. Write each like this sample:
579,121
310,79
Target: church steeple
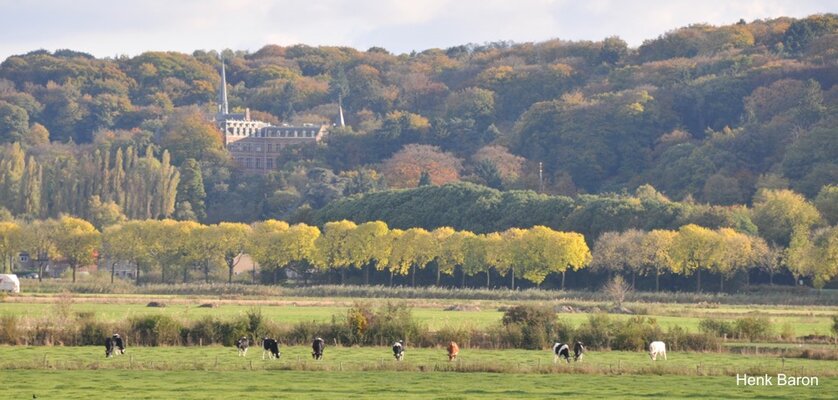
222,94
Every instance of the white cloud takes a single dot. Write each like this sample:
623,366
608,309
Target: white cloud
106,28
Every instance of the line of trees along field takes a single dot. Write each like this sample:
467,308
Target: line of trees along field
178,249
708,113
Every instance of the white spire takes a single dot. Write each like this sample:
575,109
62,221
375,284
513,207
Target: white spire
224,109
340,110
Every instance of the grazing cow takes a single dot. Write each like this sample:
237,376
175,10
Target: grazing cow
656,349
114,345
398,350
317,348
453,351
242,344
108,347
578,351
270,347
561,350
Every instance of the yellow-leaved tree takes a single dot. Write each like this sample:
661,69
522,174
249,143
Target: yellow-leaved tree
77,241
694,249
333,247
369,244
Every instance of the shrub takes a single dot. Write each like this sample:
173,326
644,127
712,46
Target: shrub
9,330
393,321
358,319
596,332
537,325
753,328
636,333
155,330
787,331
718,327
91,332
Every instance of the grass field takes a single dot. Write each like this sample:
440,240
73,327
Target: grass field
803,320
23,384
215,372
416,359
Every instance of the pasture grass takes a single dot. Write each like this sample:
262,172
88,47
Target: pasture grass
342,359
112,308
189,385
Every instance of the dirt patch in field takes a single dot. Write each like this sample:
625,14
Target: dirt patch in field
462,307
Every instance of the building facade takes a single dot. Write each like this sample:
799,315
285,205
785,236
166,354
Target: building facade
254,145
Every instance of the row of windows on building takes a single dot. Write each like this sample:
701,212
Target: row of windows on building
252,147
255,162
285,133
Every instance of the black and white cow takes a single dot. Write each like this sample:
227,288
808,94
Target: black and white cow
270,347
578,351
114,345
398,350
317,348
242,344
561,350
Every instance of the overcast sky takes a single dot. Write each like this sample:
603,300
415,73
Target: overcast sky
107,28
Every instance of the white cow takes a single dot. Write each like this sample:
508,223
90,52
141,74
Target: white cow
657,348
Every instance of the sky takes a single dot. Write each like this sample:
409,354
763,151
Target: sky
109,28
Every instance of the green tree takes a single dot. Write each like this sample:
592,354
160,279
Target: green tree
14,123
777,213
191,187
104,214
814,255
827,203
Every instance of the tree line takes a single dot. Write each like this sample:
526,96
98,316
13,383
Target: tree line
710,113
177,250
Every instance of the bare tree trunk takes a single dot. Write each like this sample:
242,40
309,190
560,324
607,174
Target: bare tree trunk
367,273
633,279
230,273
698,282
463,281
563,273
488,277
391,278
412,276
74,273
512,274
113,271
771,278
657,280
206,271
343,275
137,277
437,274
